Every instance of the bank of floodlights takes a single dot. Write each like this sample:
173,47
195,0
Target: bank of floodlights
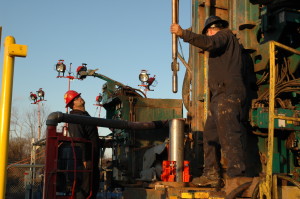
39,96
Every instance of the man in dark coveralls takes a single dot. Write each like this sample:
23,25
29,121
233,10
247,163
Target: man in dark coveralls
223,128
77,104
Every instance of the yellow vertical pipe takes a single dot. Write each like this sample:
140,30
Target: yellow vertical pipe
271,122
10,51
206,89
274,190
5,110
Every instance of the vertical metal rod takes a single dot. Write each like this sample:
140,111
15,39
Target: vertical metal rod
207,8
174,66
275,187
69,84
32,168
39,121
65,129
177,146
174,20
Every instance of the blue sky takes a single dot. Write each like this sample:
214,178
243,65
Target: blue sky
120,38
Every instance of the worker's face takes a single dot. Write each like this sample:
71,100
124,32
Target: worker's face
212,31
78,102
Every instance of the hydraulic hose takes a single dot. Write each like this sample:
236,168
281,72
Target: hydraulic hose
255,191
234,193
186,90
295,182
57,117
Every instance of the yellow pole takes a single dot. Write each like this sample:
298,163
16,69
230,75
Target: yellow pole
266,186
10,51
269,172
206,89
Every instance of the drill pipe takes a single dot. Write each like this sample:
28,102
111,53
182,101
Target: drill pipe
176,152
174,64
57,117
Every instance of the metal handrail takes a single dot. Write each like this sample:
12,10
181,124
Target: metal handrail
26,166
266,185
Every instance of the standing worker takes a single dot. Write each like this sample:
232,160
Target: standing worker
77,104
223,128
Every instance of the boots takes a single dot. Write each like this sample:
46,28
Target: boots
212,181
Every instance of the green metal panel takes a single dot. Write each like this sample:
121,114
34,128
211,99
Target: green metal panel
284,159
158,109
145,109
259,118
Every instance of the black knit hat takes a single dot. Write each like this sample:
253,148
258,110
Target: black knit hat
214,20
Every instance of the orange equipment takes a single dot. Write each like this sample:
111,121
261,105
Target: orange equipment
186,171
70,96
169,171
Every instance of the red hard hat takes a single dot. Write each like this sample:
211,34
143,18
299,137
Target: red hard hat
70,96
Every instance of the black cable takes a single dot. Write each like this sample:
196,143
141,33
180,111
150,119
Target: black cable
287,178
181,49
255,191
240,189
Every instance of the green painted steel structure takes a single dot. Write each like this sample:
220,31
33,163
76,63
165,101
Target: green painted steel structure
256,23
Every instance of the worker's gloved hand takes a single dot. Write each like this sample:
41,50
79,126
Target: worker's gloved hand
87,164
176,29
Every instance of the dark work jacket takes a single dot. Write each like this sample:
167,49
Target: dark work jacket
88,132
225,61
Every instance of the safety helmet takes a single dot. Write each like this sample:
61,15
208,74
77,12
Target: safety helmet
213,20
70,96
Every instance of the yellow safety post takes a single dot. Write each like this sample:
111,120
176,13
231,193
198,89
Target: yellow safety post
11,50
269,172
206,89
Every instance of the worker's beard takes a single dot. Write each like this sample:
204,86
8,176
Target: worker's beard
83,103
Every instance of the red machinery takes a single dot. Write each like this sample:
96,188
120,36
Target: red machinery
61,176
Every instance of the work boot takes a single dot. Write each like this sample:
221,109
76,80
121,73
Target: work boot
204,181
